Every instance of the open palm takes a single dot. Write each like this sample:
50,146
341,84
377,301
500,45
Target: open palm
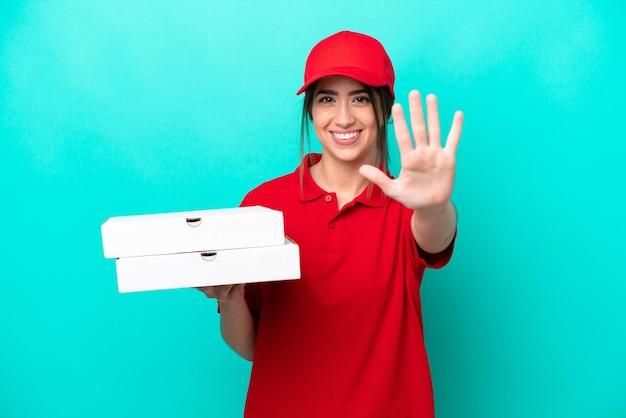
426,177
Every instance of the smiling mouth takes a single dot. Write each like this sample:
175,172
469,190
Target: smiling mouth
345,138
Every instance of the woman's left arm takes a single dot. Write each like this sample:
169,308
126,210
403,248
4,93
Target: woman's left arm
427,172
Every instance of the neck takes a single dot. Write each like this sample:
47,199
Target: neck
342,179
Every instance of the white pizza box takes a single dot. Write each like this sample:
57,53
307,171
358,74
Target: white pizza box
209,268
178,232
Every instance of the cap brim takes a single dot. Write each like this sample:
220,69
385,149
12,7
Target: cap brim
359,75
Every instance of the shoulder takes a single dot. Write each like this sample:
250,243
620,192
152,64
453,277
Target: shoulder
273,191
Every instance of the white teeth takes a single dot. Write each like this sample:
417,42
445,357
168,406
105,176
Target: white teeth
345,136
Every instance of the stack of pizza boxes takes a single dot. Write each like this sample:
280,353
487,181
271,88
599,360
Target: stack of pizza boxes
200,248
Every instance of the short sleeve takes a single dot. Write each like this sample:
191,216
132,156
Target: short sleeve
436,261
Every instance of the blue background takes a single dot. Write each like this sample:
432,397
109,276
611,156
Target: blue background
118,108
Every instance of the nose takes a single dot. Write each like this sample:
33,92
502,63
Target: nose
344,116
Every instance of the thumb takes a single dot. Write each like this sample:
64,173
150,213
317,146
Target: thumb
376,176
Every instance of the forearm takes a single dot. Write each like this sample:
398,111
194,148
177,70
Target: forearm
238,327
434,228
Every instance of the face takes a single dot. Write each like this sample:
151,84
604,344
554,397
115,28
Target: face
344,120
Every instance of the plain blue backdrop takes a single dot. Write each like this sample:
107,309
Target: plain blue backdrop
119,108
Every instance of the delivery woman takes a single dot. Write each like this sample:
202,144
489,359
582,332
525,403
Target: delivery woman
346,340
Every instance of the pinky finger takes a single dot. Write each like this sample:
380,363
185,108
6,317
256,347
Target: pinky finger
452,142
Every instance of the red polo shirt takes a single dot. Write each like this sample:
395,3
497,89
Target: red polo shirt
346,340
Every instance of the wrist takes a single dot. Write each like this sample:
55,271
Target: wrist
434,210
229,301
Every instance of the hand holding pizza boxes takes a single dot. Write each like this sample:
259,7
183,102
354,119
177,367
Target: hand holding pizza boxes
200,248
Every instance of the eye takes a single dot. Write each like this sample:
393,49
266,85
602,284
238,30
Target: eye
362,99
325,99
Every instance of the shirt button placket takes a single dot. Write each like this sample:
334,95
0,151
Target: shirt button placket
329,240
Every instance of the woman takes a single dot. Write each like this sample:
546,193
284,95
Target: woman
346,340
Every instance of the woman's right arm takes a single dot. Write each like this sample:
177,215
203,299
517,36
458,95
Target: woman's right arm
236,322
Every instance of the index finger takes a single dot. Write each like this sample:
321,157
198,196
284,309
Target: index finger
403,137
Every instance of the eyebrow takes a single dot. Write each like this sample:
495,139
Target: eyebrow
334,93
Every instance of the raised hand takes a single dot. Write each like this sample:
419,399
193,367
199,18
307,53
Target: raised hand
426,177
